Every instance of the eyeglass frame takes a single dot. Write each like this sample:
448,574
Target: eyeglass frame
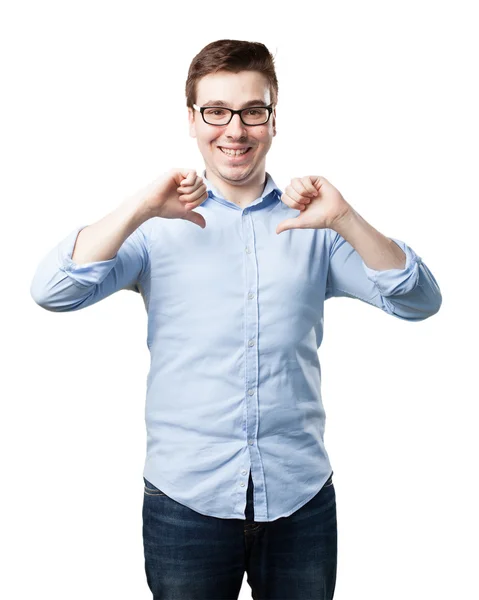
202,109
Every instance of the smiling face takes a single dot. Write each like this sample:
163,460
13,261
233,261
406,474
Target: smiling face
235,90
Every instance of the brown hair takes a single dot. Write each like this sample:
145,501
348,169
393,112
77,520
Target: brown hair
233,56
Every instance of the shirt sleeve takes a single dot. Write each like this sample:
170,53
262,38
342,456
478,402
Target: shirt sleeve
59,284
411,293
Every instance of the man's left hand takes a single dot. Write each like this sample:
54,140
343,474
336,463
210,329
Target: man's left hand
320,203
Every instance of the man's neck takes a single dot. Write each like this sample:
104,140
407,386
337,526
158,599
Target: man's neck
240,194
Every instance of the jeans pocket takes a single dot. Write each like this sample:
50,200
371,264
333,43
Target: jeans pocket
151,490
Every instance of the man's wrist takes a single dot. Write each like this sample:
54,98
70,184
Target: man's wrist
138,209
345,222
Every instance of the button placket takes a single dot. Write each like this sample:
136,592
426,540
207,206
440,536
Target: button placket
251,336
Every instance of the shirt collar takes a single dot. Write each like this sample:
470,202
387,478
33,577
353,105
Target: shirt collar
270,193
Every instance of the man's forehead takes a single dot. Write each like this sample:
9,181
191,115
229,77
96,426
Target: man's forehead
246,88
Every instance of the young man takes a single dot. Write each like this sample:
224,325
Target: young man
237,477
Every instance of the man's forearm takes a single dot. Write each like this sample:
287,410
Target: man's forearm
102,240
377,251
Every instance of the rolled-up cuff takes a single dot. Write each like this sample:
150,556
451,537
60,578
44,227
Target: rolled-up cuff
392,282
86,274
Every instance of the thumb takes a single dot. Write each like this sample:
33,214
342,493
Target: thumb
288,224
196,218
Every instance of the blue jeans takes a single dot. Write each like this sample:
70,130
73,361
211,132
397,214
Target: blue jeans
190,556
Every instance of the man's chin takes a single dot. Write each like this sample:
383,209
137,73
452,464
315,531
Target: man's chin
234,173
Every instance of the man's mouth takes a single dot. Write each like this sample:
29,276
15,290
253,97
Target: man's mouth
234,153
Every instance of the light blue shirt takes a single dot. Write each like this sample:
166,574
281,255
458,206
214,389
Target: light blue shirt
235,320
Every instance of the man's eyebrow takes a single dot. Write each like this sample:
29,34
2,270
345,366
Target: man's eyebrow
257,102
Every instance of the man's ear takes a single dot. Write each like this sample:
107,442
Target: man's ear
274,121
191,122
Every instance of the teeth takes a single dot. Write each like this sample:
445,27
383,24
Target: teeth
234,152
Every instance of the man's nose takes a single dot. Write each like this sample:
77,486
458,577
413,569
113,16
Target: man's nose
236,127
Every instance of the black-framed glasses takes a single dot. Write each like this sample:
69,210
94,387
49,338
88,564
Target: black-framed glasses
251,116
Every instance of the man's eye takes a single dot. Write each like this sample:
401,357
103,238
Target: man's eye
215,111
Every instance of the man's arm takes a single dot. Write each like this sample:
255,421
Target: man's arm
363,263
95,261
381,271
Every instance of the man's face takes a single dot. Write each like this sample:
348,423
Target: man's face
235,90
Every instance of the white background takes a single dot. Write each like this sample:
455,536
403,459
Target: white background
93,108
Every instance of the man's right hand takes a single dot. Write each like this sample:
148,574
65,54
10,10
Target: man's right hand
174,194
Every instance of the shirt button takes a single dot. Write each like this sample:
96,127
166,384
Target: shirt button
242,484
251,343
248,250
243,472
250,392
250,295
251,442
